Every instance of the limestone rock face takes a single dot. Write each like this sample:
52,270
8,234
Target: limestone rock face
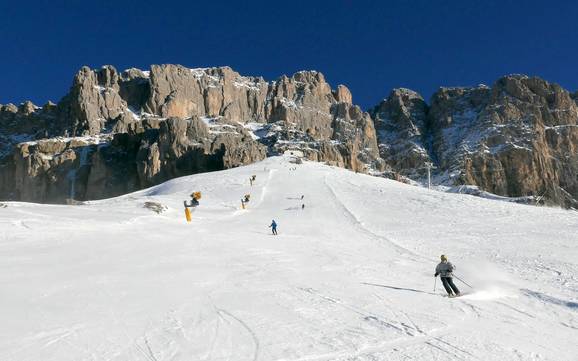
528,142
134,89
63,169
176,147
177,91
400,121
321,123
20,124
343,95
303,102
114,132
173,121
45,171
93,103
454,123
517,138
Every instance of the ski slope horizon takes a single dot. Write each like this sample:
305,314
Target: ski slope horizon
349,277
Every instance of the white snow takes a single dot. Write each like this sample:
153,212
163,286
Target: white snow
198,72
244,82
350,277
89,139
100,89
561,126
289,103
256,130
217,128
135,114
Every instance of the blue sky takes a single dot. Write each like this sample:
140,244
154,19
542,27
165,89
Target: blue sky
370,46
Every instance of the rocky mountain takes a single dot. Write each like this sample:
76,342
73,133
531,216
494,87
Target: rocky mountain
118,132
518,138
401,125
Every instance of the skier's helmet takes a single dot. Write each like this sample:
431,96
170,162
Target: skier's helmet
443,257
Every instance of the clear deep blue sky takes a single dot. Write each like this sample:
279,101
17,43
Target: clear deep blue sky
370,46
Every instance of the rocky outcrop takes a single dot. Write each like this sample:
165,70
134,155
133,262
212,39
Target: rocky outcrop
154,151
322,123
19,124
173,121
517,138
93,104
117,132
46,170
177,91
24,122
176,147
303,107
400,121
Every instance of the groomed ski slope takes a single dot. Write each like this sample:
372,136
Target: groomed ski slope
350,277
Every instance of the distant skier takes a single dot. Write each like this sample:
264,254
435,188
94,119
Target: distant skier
302,196
303,206
445,270
273,227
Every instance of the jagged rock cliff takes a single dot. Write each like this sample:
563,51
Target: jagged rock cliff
118,132
401,124
517,138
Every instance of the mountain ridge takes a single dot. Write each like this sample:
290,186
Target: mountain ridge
172,121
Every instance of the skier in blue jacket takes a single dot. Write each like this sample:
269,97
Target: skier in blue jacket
273,227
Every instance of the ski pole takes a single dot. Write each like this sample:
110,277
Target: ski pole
464,282
435,280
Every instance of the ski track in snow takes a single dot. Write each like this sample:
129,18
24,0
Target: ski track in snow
362,228
348,278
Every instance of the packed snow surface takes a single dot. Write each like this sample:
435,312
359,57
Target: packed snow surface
349,277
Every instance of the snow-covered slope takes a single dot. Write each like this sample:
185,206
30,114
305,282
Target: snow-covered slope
350,277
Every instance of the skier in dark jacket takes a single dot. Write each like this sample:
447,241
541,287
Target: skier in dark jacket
445,270
273,227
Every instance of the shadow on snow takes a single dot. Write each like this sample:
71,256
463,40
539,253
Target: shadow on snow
398,288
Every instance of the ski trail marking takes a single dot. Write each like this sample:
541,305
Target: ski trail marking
246,327
359,225
149,349
397,288
444,350
266,185
367,316
230,335
123,327
454,347
215,338
515,309
421,333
